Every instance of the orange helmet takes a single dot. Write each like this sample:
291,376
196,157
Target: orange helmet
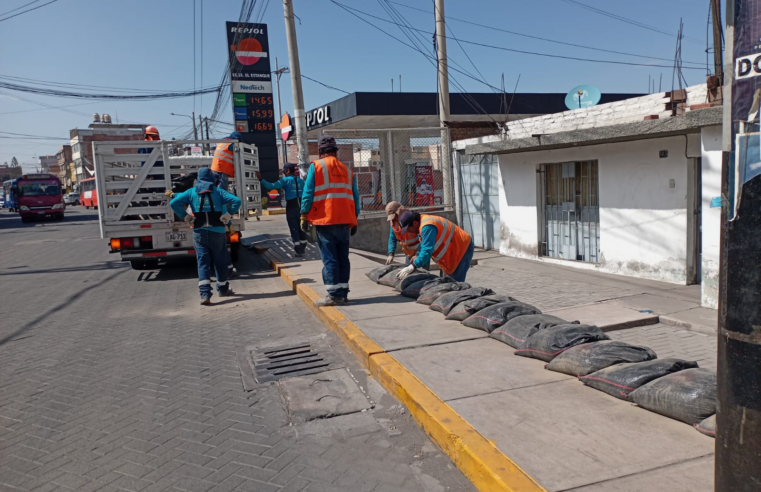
151,130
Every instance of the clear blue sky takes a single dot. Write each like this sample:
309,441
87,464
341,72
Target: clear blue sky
149,45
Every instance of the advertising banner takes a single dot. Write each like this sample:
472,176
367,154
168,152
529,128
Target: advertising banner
251,87
423,183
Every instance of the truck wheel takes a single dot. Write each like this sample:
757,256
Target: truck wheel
234,252
24,220
144,264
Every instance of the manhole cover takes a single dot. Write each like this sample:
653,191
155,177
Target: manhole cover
299,359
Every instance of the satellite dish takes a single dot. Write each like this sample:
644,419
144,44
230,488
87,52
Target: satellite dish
582,96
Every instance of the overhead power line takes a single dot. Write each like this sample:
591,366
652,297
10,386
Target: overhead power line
540,38
502,48
28,10
84,95
19,8
324,84
625,19
56,83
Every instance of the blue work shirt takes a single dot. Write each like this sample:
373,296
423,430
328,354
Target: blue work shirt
148,150
308,196
219,198
427,243
286,183
392,242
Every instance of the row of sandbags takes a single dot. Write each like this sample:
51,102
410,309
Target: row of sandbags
676,388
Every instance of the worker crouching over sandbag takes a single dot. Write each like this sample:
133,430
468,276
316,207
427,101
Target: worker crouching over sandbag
591,357
517,330
389,279
449,300
622,379
466,309
689,395
549,343
497,315
430,293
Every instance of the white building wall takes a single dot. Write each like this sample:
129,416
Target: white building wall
643,222
711,217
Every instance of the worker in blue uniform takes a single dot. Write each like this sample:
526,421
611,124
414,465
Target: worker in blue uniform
292,186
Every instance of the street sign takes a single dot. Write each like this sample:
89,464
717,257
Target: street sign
285,127
196,151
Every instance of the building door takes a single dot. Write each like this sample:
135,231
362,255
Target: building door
479,189
570,211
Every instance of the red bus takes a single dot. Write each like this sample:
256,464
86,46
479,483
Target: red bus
39,195
87,194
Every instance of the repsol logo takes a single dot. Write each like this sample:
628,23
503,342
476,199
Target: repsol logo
247,30
748,66
318,116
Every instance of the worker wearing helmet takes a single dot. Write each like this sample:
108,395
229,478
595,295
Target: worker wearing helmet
223,164
292,185
409,242
330,202
151,134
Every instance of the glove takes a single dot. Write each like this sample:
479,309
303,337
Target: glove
405,272
304,224
189,219
389,259
353,230
225,218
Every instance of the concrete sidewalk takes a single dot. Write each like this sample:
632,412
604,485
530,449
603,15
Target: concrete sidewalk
560,433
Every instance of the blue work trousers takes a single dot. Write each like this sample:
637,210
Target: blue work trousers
211,252
334,249
462,268
293,217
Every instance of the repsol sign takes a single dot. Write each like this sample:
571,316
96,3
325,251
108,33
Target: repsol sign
748,66
318,117
247,30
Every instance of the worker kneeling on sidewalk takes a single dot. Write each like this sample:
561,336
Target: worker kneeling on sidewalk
331,203
441,241
209,205
409,242
293,186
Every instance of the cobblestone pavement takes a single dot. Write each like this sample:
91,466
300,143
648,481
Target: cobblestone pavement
669,341
113,379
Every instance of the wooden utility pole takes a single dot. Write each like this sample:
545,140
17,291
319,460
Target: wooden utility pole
299,116
718,45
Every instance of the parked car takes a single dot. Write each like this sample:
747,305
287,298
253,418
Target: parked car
71,199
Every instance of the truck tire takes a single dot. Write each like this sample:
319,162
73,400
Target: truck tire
144,264
234,252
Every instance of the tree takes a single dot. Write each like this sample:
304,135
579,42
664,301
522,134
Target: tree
14,162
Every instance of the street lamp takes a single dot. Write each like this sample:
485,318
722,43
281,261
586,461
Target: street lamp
193,119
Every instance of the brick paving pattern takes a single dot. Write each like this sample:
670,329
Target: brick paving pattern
670,341
113,379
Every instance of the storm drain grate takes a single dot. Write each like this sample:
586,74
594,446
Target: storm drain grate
274,363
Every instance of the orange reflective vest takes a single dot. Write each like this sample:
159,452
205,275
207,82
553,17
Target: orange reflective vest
333,202
223,160
410,242
451,242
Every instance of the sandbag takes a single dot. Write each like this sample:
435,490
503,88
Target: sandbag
591,357
376,273
707,426
622,379
390,279
497,315
413,278
688,395
428,295
446,302
413,290
517,330
552,341
465,309
436,282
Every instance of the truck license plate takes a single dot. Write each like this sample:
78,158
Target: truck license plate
176,236
41,212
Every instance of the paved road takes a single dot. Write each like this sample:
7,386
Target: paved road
113,379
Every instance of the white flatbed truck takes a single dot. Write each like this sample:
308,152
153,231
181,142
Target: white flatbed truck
134,211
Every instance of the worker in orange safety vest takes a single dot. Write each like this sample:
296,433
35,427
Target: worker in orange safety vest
330,203
442,241
223,163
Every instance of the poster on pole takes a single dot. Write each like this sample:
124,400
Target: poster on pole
251,88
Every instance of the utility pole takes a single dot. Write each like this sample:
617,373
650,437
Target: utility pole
200,125
717,40
441,54
299,118
208,146
738,416
278,72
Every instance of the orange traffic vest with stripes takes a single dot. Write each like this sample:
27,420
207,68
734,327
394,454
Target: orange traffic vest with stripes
333,202
451,242
410,242
223,160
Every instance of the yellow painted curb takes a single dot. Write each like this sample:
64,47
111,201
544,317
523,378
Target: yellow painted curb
274,211
479,459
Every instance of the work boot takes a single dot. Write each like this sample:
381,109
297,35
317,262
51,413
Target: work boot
299,254
206,301
226,293
329,300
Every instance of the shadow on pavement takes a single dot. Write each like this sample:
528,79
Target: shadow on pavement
109,265
251,297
